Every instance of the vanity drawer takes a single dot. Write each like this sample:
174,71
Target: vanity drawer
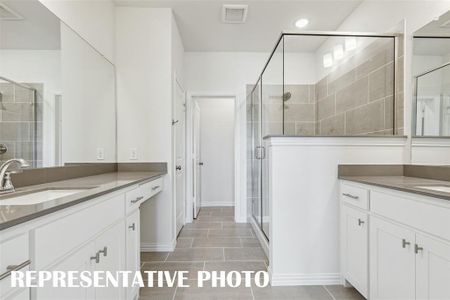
354,195
152,188
133,199
13,253
56,239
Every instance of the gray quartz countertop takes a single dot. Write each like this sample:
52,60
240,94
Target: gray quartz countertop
404,184
95,186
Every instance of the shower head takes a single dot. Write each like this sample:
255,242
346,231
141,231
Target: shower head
287,96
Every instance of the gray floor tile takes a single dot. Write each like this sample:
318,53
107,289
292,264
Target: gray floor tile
216,242
210,293
153,256
236,232
197,254
157,293
184,242
236,266
249,254
191,267
250,242
232,225
291,293
209,218
194,233
340,292
203,225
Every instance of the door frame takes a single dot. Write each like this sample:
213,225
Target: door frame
237,155
176,82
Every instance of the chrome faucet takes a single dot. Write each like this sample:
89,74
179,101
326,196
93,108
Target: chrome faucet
6,185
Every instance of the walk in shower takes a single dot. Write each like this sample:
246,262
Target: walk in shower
20,121
321,85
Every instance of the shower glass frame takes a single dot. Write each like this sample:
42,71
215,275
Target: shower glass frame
258,191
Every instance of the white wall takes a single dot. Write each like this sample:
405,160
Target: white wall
93,20
88,102
146,62
217,151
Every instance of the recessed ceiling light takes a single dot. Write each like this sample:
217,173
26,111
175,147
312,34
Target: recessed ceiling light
301,23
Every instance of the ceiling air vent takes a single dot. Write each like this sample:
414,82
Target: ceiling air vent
234,13
8,14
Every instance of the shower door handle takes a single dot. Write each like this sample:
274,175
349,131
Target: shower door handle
260,152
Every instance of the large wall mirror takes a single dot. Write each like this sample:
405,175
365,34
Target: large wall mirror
431,94
57,93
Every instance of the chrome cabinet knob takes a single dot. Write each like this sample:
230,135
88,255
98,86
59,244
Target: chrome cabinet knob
405,243
104,251
133,226
96,257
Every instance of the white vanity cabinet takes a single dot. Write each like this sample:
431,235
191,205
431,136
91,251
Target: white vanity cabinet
408,242
133,257
355,248
101,234
391,261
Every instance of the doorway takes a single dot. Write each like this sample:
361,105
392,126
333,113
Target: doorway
216,159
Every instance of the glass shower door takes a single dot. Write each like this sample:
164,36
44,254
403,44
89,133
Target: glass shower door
256,146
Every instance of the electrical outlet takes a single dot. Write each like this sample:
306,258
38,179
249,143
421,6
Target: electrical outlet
133,153
100,154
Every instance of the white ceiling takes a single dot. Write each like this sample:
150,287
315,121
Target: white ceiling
39,29
201,27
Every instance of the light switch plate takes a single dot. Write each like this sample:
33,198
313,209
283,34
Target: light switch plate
133,153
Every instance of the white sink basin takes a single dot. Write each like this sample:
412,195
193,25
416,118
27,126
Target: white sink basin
436,188
39,197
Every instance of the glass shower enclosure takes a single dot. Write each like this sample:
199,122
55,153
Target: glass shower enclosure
320,84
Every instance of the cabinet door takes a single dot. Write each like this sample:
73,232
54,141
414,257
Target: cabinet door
111,245
392,261
133,248
355,248
432,269
78,261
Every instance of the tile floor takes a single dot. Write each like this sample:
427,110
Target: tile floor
215,242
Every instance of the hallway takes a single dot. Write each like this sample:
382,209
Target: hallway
214,242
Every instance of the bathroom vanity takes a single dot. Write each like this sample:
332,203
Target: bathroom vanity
395,236
95,228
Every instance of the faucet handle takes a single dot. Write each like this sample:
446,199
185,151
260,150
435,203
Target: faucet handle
7,183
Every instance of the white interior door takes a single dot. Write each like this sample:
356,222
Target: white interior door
217,151
196,160
180,154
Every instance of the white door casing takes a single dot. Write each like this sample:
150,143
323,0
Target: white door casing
196,160
179,140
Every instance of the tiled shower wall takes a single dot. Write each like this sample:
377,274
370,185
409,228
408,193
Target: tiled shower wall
355,98
17,122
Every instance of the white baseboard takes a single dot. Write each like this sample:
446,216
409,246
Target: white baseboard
214,204
305,279
153,247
